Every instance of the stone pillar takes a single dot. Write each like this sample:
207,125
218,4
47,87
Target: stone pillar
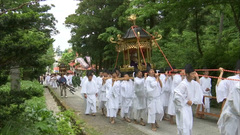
15,77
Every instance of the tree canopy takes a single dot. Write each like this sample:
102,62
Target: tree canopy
200,32
25,36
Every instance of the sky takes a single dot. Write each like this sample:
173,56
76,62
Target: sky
62,9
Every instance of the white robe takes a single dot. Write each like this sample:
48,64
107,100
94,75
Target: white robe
206,83
166,89
58,77
48,78
225,87
69,80
101,93
94,78
83,80
139,102
184,92
229,121
155,106
112,94
176,81
90,89
127,94
54,82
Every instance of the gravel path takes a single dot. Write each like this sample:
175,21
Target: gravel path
102,125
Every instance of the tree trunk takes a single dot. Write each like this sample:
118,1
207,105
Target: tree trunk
152,17
100,62
197,34
15,77
220,29
236,18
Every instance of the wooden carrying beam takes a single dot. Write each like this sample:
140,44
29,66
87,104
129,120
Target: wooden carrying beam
202,113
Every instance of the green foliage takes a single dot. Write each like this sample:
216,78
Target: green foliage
90,20
27,113
25,36
203,33
64,123
67,57
76,81
10,101
47,59
35,119
109,53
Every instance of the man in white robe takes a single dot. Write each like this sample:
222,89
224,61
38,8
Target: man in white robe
102,92
154,104
127,94
229,120
188,92
112,94
206,85
54,81
224,87
69,79
171,107
48,78
166,91
140,102
83,80
89,89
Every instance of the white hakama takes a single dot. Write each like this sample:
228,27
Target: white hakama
112,94
229,121
206,83
166,90
140,104
127,94
90,89
47,80
171,106
184,92
154,104
225,87
54,82
102,96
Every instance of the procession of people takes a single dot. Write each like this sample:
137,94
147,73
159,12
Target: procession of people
150,97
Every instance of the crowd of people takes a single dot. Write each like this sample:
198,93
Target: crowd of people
55,81
151,97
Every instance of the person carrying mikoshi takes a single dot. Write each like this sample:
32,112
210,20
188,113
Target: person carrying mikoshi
89,89
112,94
206,85
154,104
229,121
127,94
177,79
224,87
140,102
187,93
102,92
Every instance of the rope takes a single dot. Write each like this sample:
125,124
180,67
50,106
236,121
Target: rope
160,49
116,61
139,45
220,78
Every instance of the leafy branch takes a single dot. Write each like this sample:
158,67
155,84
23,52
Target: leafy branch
19,7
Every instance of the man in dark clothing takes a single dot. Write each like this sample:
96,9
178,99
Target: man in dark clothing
62,81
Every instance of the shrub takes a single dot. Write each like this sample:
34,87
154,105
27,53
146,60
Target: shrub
11,101
35,119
